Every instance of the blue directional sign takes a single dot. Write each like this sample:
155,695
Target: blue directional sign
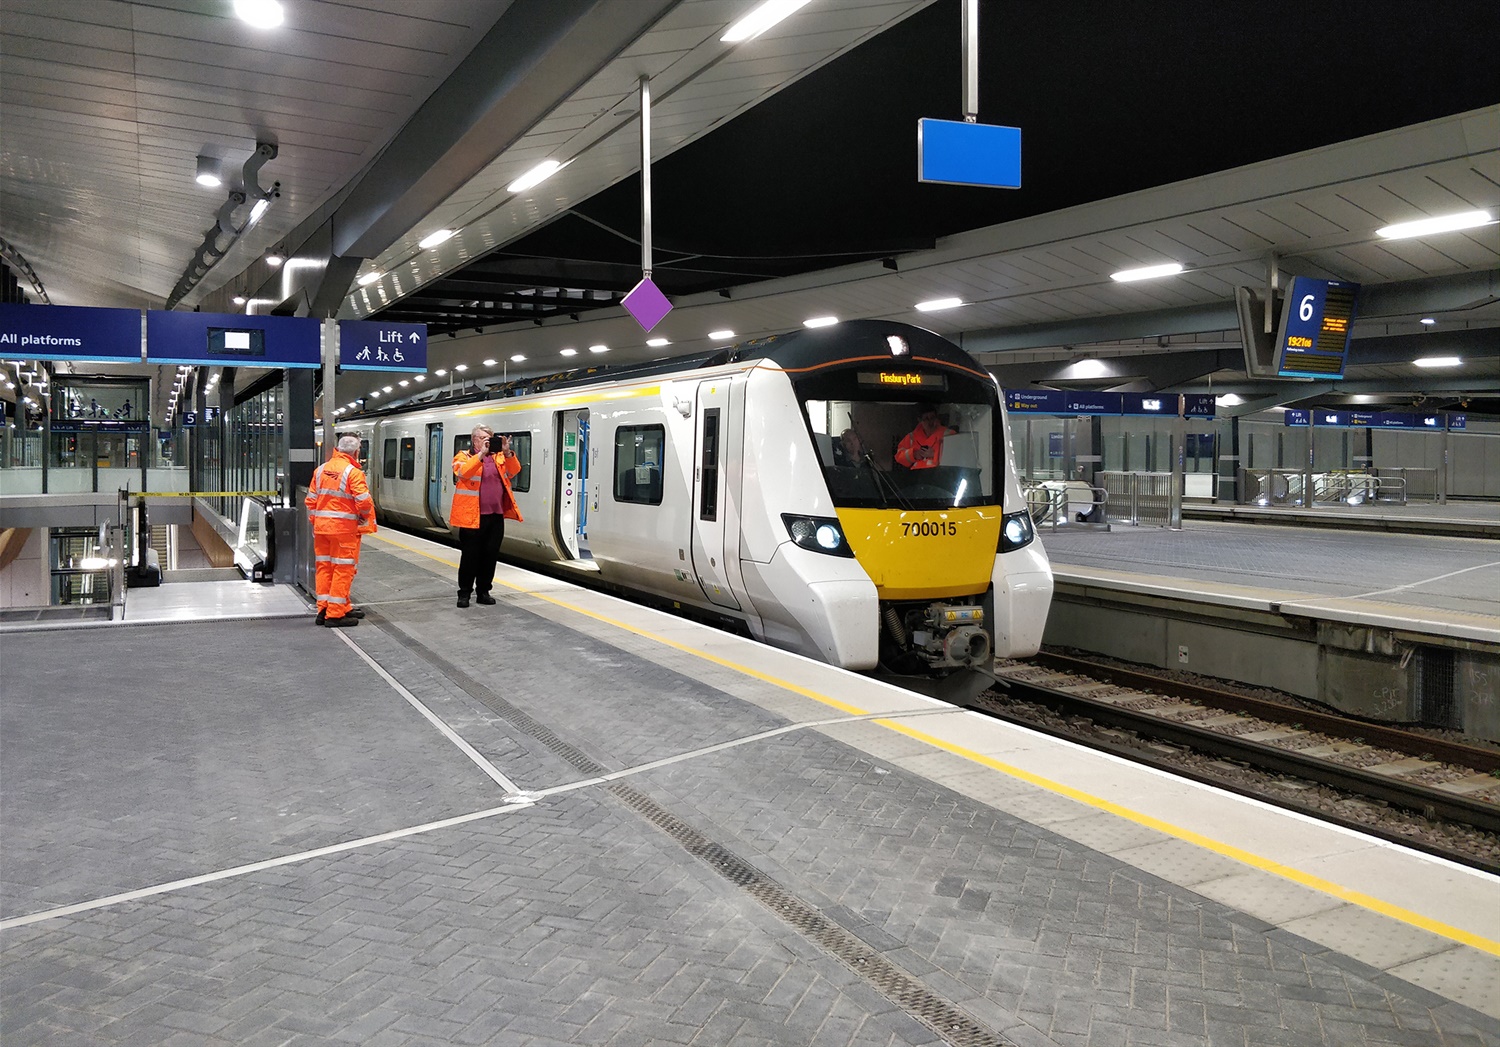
954,152
1374,419
374,345
70,332
232,340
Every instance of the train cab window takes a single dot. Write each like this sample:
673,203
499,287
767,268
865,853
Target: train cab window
388,465
364,455
408,458
638,462
926,452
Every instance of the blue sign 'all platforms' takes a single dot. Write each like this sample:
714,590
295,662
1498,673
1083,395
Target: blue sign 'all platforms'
69,332
374,345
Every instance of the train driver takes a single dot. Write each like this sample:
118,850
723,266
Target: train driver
922,448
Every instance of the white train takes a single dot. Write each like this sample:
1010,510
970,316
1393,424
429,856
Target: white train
727,486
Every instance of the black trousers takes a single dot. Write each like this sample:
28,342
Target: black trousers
479,548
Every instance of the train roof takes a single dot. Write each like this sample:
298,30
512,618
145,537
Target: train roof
801,350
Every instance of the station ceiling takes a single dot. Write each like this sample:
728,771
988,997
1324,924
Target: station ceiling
783,174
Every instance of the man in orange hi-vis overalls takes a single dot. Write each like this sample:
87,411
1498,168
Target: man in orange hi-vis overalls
339,505
922,448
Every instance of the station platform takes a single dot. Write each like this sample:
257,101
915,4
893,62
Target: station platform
1440,585
569,819
1462,519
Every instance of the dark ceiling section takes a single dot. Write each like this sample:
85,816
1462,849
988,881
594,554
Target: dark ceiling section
1112,98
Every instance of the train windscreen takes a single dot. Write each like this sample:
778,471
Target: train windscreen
931,449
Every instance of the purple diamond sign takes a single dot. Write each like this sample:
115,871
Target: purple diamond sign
647,304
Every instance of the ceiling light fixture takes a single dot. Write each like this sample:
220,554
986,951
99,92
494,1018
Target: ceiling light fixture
820,321
567,352
240,299
462,367
404,383
518,358
369,278
1148,272
720,336
491,362
388,388
419,377
1440,224
1438,361
1427,321
1088,369
939,303
760,19
263,14
598,348
431,240
441,371
274,258
537,175
657,343
209,172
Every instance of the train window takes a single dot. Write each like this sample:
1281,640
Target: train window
638,462
408,458
708,498
917,453
388,468
364,455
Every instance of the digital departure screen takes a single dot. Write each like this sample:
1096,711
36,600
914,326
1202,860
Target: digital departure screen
224,341
1315,326
902,379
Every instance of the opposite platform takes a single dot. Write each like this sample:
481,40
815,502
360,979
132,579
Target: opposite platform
568,819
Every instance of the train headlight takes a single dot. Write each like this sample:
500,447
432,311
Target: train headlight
1016,531
818,533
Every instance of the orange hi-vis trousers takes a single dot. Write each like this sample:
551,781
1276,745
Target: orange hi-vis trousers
337,558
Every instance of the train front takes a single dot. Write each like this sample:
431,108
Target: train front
912,440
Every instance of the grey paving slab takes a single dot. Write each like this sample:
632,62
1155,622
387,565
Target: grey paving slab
1420,569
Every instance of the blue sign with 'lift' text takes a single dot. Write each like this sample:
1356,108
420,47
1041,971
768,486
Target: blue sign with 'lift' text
955,152
375,345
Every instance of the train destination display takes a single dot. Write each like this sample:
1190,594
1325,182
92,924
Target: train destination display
1313,339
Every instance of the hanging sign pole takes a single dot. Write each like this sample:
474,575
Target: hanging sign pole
645,302
970,43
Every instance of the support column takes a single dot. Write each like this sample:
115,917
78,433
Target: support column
301,451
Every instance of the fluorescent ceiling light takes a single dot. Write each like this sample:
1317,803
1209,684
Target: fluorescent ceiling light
258,210
239,299
1149,272
404,383
820,321
598,348
419,378
1441,224
369,278
939,303
1230,400
760,19
1088,369
657,343
462,367
567,352
517,358
433,239
1427,321
441,371
375,394
491,362
1438,361
719,336
536,176
208,172
263,14
387,388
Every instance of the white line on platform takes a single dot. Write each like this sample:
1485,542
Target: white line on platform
1424,581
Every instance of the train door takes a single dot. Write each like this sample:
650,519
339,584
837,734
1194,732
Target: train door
710,508
576,494
438,468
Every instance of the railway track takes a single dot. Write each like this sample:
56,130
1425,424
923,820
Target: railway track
1437,781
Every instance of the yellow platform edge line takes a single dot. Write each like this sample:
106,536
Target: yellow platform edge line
1239,854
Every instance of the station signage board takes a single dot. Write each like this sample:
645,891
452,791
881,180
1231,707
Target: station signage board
1375,419
1067,402
375,345
956,152
1316,322
70,332
232,340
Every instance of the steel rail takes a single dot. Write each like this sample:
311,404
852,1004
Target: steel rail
1385,736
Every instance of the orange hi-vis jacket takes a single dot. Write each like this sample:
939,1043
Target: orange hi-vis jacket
338,498
468,470
906,450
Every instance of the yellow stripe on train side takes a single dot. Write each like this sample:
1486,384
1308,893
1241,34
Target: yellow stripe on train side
924,554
